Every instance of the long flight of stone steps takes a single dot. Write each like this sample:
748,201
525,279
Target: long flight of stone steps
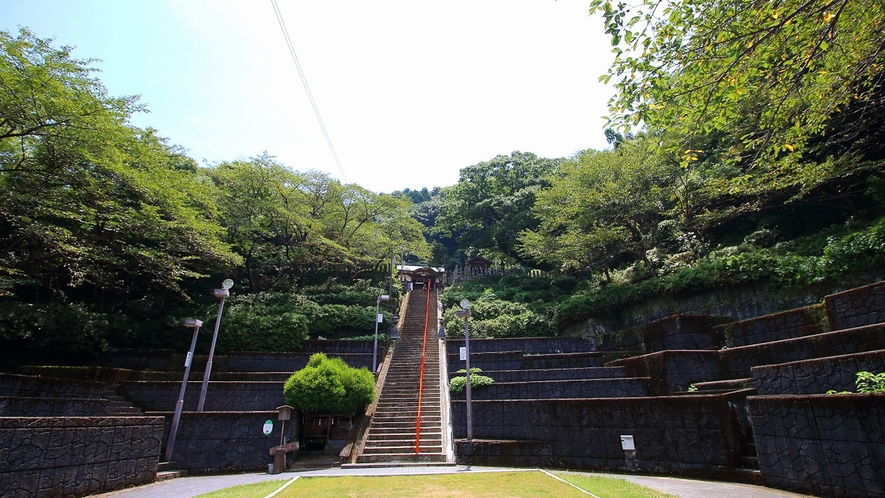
394,436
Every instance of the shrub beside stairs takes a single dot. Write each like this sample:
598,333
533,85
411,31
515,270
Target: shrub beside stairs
394,436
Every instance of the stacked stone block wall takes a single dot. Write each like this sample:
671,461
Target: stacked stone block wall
696,435
738,362
528,345
775,327
77,456
27,386
672,371
672,333
221,396
215,442
546,389
554,374
132,359
825,445
53,407
818,375
857,307
290,362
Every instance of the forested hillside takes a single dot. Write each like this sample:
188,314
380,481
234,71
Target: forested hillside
746,145
109,236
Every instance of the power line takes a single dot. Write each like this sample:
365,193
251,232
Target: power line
316,111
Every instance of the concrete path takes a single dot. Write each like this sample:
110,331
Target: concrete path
188,487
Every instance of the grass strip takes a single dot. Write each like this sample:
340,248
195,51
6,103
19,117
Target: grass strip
514,484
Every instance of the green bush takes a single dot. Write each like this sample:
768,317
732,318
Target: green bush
459,384
276,321
496,318
263,322
329,386
870,383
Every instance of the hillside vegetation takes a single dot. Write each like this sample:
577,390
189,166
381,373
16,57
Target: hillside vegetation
748,154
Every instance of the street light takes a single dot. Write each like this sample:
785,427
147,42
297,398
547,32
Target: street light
222,293
464,313
191,323
378,319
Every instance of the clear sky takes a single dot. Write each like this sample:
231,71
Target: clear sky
410,91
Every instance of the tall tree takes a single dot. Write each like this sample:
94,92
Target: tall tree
492,203
99,220
769,78
602,208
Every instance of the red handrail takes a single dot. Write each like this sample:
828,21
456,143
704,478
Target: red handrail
421,379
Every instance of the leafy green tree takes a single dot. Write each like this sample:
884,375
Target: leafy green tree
94,210
775,82
492,203
602,208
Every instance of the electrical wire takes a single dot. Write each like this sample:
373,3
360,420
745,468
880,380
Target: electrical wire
316,111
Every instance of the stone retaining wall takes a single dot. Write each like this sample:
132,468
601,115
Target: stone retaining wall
221,396
553,374
818,375
857,307
672,333
290,362
738,362
785,325
13,385
77,456
672,371
516,360
215,442
582,388
53,407
528,345
679,435
826,445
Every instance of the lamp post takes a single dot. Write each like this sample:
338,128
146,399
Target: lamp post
378,319
394,330
222,293
464,313
191,323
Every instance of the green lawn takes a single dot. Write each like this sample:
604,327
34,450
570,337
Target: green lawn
491,484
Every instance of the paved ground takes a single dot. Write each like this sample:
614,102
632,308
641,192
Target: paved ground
187,487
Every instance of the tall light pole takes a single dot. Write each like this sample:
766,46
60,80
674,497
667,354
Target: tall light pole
464,313
191,323
378,318
222,293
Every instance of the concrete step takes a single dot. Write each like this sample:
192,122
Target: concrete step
394,458
398,443
381,450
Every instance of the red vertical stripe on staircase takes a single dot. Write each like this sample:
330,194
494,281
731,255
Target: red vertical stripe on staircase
421,378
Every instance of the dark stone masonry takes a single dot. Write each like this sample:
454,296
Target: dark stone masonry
77,456
822,445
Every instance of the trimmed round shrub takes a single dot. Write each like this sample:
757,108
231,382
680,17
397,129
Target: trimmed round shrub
329,386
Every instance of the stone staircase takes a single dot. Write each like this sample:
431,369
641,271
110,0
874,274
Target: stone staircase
394,436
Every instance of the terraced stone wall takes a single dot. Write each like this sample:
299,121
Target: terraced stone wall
825,445
290,362
857,307
785,325
221,396
77,456
679,435
528,345
213,442
816,376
